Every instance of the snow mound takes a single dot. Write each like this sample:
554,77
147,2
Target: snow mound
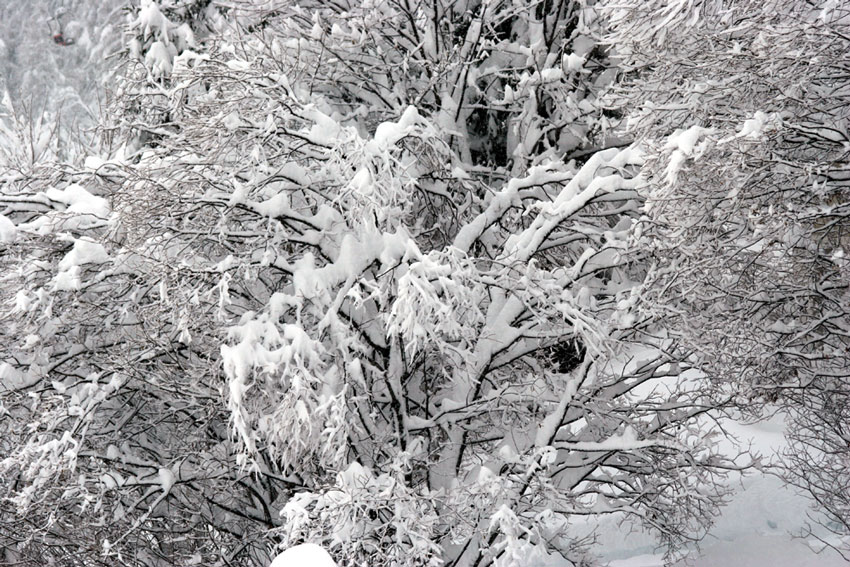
304,555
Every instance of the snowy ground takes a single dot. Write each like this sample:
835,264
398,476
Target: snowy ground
756,529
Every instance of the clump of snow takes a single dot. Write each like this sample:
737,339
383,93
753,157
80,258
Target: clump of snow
169,40
23,301
276,206
685,141
152,21
304,555
362,181
552,75
185,37
67,280
325,130
388,133
186,59
93,162
232,121
238,65
8,232
166,479
754,127
158,60
460,173
573,62
12,378
353,477
79,200
85,251
684,146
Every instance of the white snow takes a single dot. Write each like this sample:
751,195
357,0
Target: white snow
388,133
238,65
232,121
754,128
151,20
277,206
626,441
185,36
755,529
67,280
93,162
686,140
647,560
12,378
8,232
23,301
304,555
325,130
573,62
158,60
684,146
79,200
354,477
85,251
362,181
551,75
166,479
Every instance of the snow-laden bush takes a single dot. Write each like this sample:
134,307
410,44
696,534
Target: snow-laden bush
351,274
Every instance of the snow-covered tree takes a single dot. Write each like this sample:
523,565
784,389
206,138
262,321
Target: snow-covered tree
355,274
744,109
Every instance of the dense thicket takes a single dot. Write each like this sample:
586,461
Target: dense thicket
381,275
